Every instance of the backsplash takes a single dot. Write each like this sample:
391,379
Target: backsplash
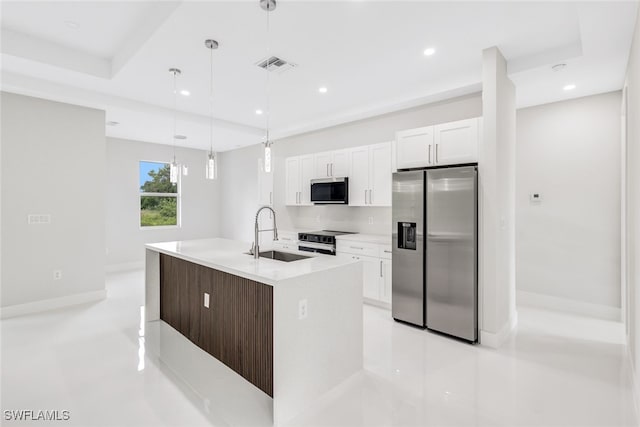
370,220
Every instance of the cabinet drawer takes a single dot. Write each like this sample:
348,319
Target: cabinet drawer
385,251
358,248
287,237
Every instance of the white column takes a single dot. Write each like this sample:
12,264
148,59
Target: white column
497,201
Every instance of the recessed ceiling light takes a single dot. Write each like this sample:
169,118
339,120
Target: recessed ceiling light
322,89
185,92
559,67
180,137
569,87
429,51
71,24
258,112
112,123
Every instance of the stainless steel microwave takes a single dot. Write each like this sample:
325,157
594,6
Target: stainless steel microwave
334,191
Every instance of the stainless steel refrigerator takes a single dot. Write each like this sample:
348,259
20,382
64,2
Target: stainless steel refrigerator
435,250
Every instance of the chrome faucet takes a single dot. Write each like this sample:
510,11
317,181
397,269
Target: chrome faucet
255,248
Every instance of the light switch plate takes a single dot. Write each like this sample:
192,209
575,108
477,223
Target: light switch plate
206,300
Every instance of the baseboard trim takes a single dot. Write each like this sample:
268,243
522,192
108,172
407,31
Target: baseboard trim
51,304
124,266
534,299
495,340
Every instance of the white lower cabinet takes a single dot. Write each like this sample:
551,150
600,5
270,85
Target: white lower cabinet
376,269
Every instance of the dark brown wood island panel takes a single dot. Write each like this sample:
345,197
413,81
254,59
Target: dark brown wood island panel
236,329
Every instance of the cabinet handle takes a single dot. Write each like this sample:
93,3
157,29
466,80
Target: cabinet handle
331,169
328,169
429,153
356,247
387,252
380,268
365,197
370,202
271,197
436,153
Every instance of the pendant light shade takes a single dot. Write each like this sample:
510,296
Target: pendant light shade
174,170
267,157
211,167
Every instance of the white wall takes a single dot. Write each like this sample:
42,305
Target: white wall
52,163
240,166
568,245
200,200
633,202
496,159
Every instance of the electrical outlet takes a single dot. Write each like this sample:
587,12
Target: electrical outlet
302,309
206,300
57,274
370,220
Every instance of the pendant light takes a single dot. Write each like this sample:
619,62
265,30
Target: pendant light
174,168
268,6
211,169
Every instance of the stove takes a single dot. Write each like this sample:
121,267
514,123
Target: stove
323,241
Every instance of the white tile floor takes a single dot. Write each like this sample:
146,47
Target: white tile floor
559,370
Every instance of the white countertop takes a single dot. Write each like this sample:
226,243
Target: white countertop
230,256
380,239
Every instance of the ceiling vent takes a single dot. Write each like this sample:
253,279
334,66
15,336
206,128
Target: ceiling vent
276,64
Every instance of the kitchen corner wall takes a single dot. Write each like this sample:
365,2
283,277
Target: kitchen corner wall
200,201
633,204
568,243
240,168
52,165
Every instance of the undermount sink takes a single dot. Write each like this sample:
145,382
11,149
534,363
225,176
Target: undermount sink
281,256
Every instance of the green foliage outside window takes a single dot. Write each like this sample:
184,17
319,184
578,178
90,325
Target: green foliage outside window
157,210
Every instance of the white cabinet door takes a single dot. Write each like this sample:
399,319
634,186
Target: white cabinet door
322,165
371,278
359,176
456,142
292,166
340,163
306,175
380,174
385,281
414,148
265,185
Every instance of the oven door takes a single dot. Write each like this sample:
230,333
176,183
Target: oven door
319,248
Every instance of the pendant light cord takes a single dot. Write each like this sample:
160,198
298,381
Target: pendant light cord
268,142
211,103
175,108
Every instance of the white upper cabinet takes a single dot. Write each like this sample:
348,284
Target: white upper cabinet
359,176
414,148
292,166
299,172
322,162
456,142
370,175
331,164
380,174
340,163
443,144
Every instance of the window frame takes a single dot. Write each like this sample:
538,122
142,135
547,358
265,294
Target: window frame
177,195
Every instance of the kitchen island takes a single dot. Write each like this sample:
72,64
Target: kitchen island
292,329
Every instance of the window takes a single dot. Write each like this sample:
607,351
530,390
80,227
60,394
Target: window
159,198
